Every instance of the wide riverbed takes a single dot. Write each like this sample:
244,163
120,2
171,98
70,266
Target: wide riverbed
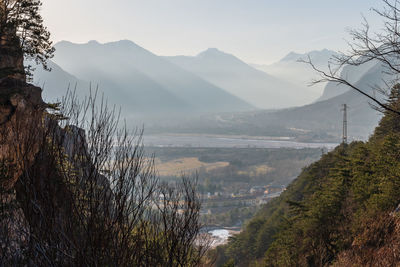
227,142
221,236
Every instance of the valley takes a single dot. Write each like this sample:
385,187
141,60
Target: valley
199,133
233,182
214,92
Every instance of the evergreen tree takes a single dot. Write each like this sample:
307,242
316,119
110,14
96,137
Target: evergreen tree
22,34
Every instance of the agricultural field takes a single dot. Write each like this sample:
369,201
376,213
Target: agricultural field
186,166
229,170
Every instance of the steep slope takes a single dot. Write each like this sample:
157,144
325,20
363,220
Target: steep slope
56,83
340,211
242,80
142,82
326,115
291,70
351,73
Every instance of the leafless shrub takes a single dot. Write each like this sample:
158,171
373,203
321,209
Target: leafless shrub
91,196
366,46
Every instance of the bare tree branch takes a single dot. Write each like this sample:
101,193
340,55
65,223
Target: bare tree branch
382,47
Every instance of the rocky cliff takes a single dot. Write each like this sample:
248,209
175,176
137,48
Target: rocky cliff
43,168
21,124
21,128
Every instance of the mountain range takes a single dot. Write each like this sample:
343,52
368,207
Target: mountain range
318,121
350,73
214,92
143,83
254,86
290,69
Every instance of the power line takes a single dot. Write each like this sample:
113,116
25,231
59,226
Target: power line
344,135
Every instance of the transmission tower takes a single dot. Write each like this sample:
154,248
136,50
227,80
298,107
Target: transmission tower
344,138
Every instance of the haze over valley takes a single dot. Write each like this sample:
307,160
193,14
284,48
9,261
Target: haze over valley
214,92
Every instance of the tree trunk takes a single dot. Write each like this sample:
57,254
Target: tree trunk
11,59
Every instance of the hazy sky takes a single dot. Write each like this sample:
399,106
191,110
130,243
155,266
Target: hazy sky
257,31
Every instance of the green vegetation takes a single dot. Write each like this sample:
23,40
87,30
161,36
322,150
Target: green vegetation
22,34
328,207
231,217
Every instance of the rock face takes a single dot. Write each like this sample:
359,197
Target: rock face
41,166
11,58
21,127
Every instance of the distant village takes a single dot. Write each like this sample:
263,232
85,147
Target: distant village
257,195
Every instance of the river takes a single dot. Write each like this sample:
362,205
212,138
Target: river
209,141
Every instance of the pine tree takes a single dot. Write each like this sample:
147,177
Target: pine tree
22,34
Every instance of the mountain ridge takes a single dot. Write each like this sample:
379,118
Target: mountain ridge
237,77
290,69
318,121
141,77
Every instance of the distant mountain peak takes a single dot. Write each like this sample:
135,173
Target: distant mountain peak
317,54
123,46
125,42
93,42
63,42
213,52
292,56
322,53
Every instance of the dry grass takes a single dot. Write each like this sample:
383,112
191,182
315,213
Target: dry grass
377,246
186,166
255,171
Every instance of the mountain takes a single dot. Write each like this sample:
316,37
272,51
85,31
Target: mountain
148,85
56,82
139,81
351,74
235,76
291,70
326,116
319,121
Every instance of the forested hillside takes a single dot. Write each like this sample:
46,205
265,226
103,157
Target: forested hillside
340,211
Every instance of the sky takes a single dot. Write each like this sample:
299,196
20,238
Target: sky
256,31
